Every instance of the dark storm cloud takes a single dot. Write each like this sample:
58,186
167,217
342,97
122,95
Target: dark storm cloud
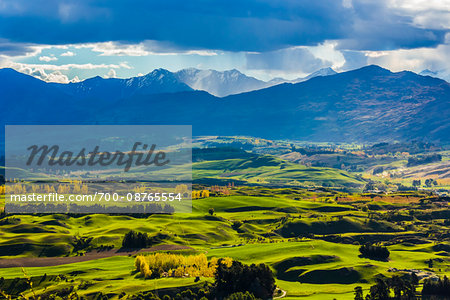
14,49
233,25
378,27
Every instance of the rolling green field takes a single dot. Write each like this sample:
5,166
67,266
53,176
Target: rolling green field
229,165
305,222
269,170
272,231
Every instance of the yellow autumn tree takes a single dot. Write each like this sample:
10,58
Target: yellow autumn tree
195,194
84,189
181,189
140,189
177,265
76,188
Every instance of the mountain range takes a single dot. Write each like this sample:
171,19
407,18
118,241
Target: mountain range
156,82
370,104
217,83
222,84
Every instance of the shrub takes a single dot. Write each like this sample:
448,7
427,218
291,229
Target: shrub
145,296
236,225
81,243
241,296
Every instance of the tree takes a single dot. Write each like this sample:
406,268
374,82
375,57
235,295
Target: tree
377,170
256,279
402,289
359,293
134,239
374,252
379,291
211,211
181,189
370,186
439,288
414,279
397,285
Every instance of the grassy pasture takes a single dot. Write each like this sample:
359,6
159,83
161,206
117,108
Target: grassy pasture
305,267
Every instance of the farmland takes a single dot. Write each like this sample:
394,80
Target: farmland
298,233
306,223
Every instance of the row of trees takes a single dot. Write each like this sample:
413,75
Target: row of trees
425,159
440,288
405,288
401,289
429,182
77,188
231,277
137,210
200,194
233,280
176,265
189,294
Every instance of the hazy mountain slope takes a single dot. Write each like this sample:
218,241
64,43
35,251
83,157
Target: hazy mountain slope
233,82
442,74
321,72
220,83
